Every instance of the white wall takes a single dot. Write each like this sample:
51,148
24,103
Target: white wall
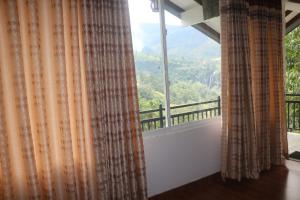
181,154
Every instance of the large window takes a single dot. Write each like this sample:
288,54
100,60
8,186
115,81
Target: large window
193,67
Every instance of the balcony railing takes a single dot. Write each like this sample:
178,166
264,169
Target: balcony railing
154,119
293,112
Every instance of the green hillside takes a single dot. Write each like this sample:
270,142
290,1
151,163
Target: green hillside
194,67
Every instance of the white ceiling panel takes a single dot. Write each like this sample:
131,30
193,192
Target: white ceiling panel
185,4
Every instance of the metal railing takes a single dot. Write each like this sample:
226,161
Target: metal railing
154,119
293,112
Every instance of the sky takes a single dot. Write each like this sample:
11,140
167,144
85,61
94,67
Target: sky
141,13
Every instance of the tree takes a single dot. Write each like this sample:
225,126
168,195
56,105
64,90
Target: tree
292,44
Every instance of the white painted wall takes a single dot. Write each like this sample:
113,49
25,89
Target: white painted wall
181,154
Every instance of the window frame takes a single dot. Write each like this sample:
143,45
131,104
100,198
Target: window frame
166,111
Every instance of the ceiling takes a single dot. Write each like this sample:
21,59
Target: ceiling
191,14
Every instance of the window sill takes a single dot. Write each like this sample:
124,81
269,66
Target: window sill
181,128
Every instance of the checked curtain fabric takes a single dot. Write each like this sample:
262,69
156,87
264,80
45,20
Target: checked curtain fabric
253,104
69,123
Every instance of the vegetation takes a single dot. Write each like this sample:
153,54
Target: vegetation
292,43
194,68
292,82
190,81
195,77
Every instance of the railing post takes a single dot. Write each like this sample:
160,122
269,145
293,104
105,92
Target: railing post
288,115
161,117
219,105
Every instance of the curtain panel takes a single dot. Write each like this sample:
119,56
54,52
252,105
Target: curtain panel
69,119
254,134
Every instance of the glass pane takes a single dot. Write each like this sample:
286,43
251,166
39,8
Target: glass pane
194,72
145,29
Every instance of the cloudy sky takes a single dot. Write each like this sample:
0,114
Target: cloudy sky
141,13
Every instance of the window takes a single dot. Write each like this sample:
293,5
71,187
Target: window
193,69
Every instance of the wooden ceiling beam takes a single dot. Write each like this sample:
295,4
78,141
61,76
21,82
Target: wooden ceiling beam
287,12
292,5
204,28
293,23
290,16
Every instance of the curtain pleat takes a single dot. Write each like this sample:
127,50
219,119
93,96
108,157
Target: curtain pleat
253,99
69,121
113,80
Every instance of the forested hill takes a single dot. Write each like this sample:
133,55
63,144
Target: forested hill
182,42
194,66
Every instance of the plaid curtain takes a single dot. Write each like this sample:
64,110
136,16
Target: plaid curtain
254,134
69,119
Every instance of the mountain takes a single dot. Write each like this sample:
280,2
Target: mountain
182,42
193,62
